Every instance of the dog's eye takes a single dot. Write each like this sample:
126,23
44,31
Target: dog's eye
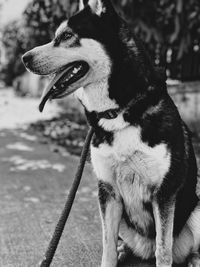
67,36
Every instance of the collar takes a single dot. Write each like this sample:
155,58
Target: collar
108,114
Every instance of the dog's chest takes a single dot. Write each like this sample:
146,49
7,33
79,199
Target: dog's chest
132,167
130,158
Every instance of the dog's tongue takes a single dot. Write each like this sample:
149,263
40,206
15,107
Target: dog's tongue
50,90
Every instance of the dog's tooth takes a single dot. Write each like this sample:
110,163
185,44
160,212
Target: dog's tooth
75,70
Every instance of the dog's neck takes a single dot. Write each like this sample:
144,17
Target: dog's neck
95,97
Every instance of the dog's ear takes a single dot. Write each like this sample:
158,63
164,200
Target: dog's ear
97,6
82,4
100,7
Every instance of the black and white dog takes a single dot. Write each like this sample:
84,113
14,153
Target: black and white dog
141,151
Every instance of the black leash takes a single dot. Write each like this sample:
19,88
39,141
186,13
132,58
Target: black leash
66,211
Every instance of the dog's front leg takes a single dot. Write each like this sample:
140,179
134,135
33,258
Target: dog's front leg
164,220
111,213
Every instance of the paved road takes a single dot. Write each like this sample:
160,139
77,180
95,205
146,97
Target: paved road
34,182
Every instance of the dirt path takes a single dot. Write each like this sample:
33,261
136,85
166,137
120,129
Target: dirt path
17,112
34,183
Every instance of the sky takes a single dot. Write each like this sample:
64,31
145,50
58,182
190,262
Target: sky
12,9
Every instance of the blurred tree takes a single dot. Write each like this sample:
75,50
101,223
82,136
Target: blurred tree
13,47
41,18
164,25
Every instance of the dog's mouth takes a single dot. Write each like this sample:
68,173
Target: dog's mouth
59,85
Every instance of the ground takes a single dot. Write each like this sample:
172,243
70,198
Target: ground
34,182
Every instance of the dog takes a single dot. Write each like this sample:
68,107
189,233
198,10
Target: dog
141,150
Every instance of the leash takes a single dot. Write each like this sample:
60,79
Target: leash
68,205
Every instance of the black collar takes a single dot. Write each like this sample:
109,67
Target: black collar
108,114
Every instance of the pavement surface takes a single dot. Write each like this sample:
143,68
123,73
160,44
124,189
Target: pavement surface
34,183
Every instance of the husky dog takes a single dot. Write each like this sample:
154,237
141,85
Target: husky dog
141,150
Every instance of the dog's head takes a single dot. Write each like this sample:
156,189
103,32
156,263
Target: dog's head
93,46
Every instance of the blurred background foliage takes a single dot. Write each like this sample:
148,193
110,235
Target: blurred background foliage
170,30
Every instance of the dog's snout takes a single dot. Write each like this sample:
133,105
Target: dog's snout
27,59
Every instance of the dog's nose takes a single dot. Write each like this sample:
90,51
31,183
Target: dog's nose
27,58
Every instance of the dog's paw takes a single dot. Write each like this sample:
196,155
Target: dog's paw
194,260
123,251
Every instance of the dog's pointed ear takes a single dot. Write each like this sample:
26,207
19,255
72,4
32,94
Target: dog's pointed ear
100,6
97,6
82,4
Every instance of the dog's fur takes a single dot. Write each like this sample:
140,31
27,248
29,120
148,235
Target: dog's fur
143,158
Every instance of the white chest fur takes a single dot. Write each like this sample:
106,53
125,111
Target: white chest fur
132,168
128,155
